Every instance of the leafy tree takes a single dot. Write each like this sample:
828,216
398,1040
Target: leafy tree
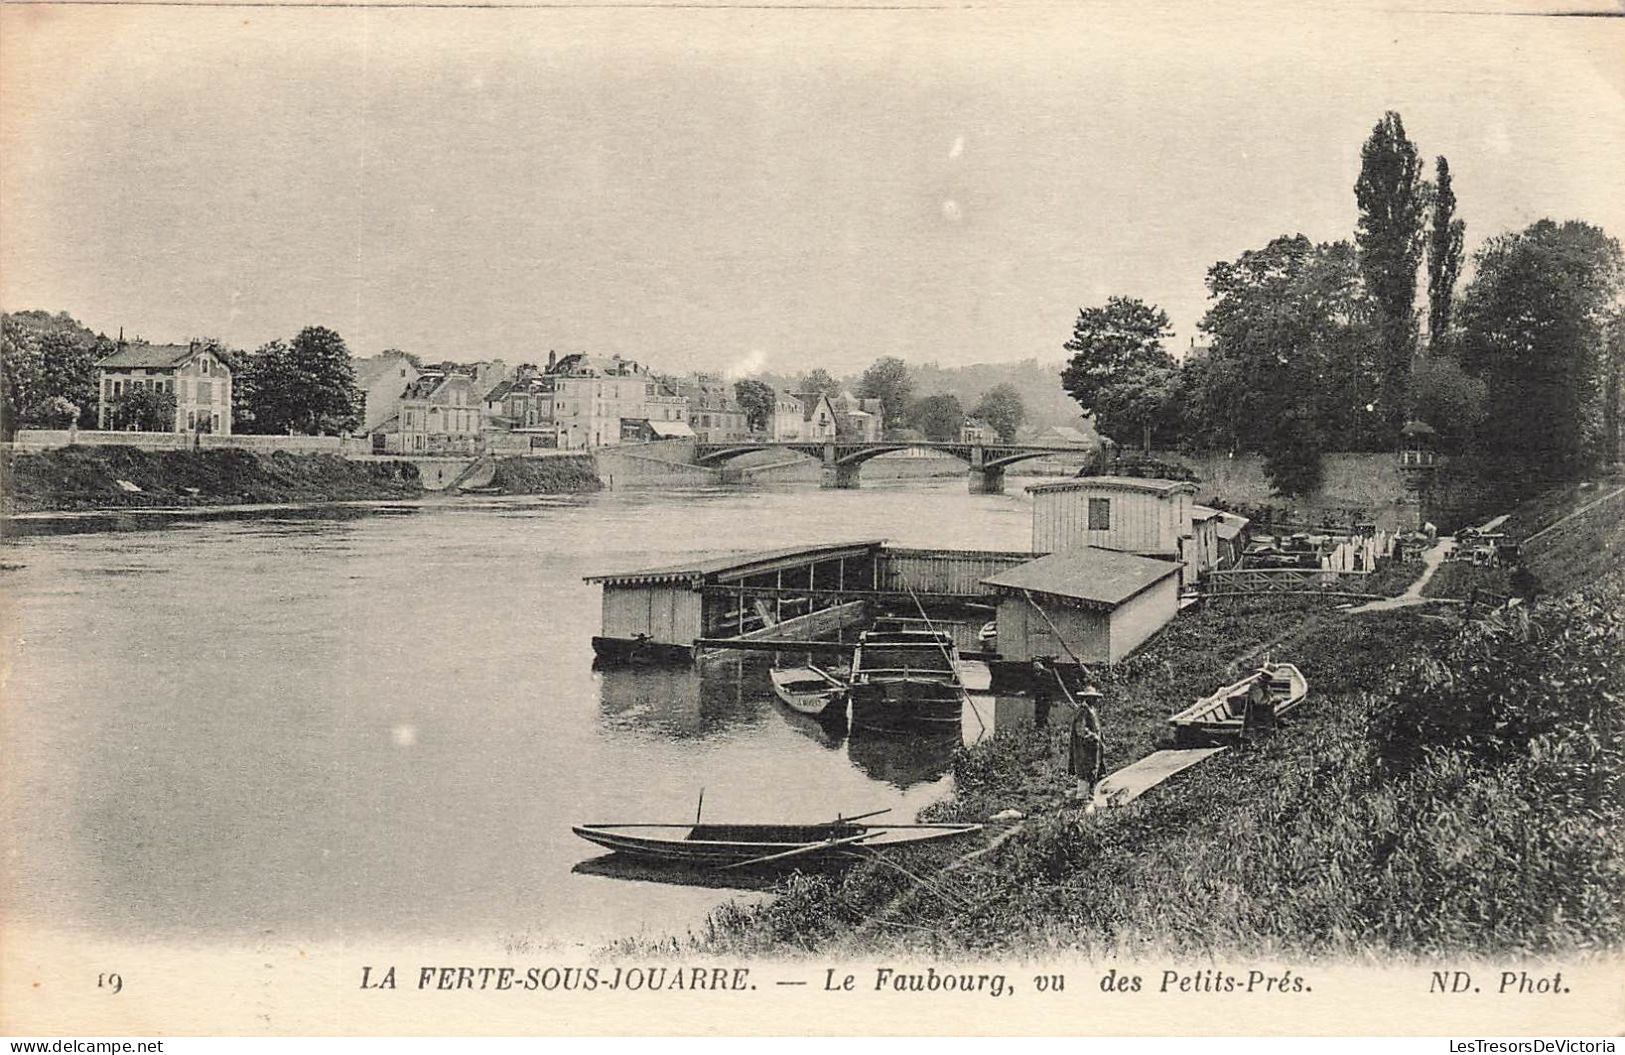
319,364
254,401
1119,370
1535,327
757,400
58,412
1393,199
1447,398
1613,389
1111,343
306,385
1143,403
1446,236
1292,461
938,416
44,356
819,380
1291,330
144,409
888,380
1002,408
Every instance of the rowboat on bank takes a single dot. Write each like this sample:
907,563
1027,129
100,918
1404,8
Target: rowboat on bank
743,845
808,689
1270,692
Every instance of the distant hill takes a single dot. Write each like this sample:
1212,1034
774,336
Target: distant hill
1038,382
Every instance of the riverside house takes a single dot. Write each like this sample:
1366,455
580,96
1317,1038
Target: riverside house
382,379
439,414
199,380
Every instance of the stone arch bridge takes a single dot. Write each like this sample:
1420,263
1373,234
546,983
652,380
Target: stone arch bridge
843,459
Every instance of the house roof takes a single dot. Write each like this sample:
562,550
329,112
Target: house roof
1100,578
427,385
372,368
1115,483
671,429
734,564
809,402
1231,525
149,356
1201,513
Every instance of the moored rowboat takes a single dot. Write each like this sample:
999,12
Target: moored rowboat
808,689
1272,691
733,845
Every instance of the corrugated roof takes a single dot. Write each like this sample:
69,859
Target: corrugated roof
731,561
1115,483
145,355
1099,577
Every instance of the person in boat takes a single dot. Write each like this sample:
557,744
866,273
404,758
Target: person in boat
1258,711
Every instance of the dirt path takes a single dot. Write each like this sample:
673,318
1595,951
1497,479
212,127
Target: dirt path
1431,559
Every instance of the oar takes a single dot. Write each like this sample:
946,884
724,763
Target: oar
827,676
859,817
828,844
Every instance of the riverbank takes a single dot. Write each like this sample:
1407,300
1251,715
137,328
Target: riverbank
1443,790
109,477
125,478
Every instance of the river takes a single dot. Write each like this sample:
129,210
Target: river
340,723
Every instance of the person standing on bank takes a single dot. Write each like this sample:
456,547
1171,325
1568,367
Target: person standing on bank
1086,753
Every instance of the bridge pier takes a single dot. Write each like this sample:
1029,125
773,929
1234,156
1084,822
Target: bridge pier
987,481
843,476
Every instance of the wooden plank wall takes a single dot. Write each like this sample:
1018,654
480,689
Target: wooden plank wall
944,571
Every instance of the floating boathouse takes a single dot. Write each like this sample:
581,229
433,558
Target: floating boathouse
775,598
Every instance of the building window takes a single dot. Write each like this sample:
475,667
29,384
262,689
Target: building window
1100,514
203,364
205,391
191,419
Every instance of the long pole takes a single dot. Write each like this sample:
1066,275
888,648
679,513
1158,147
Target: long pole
945,653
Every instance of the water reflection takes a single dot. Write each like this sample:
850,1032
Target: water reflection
903,759
682,702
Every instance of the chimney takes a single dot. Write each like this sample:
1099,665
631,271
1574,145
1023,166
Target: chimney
552,359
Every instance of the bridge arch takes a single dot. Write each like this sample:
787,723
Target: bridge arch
842,460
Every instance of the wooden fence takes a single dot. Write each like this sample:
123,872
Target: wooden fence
1251,582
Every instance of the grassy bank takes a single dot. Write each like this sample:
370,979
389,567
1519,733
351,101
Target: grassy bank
1449,787
88,478
546,476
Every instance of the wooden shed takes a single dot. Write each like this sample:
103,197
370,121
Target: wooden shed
1101,603
1123,513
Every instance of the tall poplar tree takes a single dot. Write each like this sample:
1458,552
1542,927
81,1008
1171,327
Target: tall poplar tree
1392,197
1446,237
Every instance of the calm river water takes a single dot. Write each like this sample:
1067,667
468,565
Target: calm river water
352,724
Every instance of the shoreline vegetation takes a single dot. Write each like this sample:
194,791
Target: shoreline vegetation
87,479
1453,785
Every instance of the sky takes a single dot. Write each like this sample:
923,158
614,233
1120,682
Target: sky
748,188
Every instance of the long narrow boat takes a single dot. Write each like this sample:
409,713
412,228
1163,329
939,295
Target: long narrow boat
808,689
905,678
1223,715
739,845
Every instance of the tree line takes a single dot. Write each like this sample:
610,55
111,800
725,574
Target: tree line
48,380
937,416
1313,347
